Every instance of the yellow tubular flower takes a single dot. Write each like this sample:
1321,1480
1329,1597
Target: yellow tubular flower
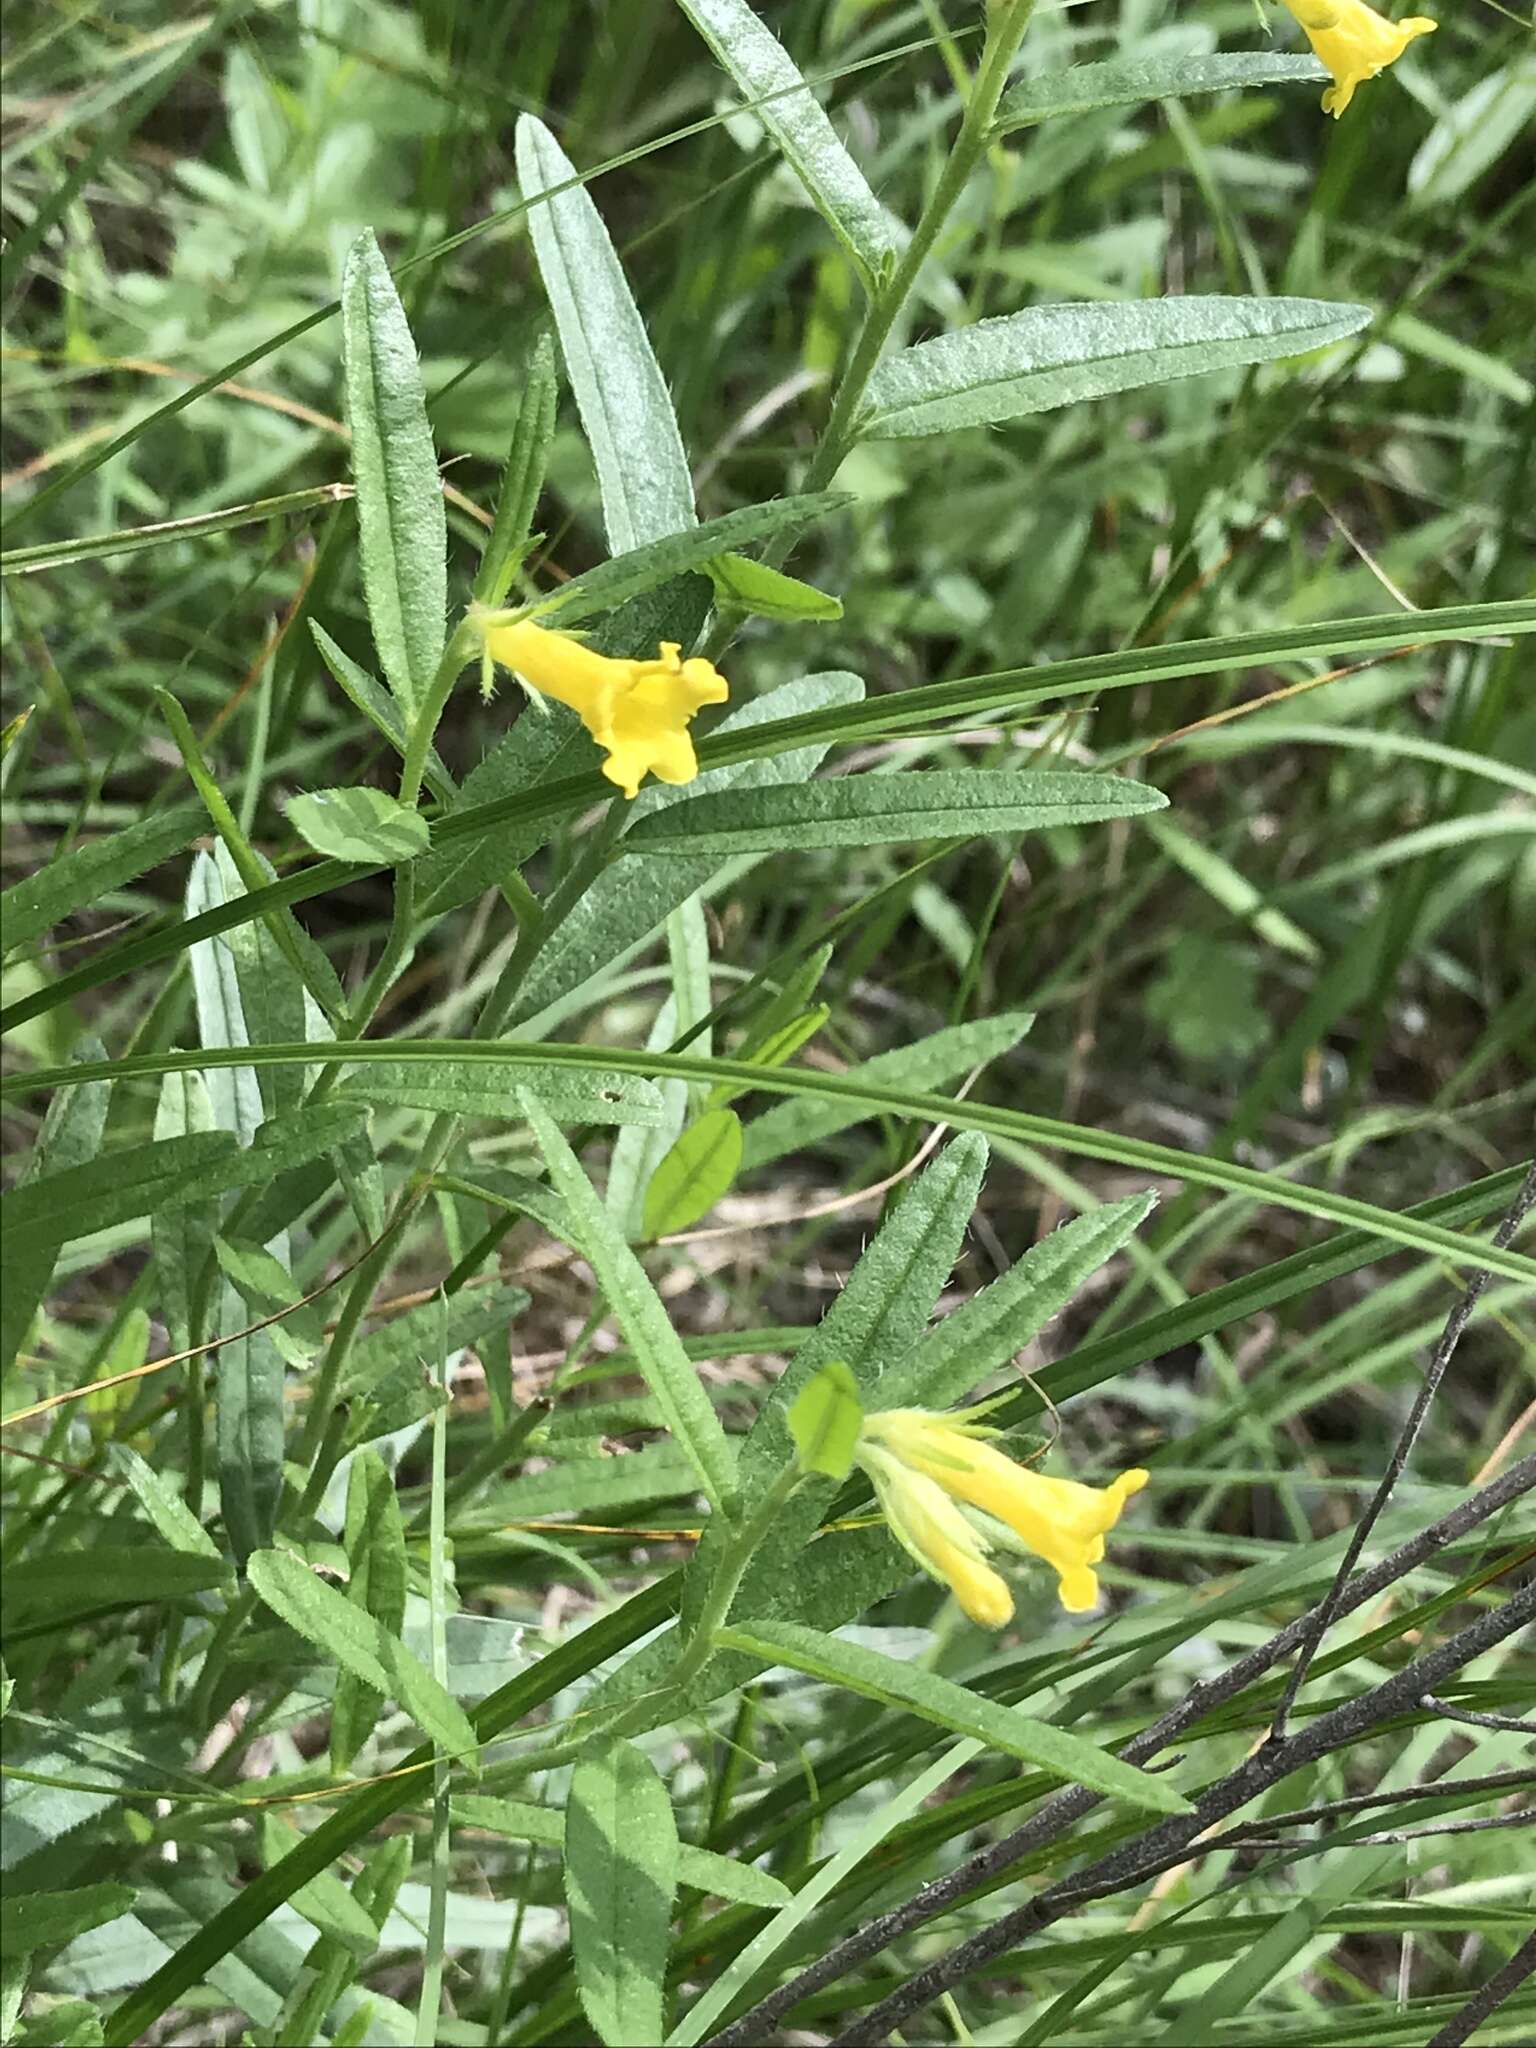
637,711
938,1538
1057,1519
1354,41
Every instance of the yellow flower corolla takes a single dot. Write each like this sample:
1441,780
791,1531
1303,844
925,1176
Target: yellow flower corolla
916,1457
1354,42
637,711
938,1538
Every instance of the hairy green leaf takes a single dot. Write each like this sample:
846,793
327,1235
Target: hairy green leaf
1126,81
402,527
642,471
770,81
361,1645
359,824
621,1858
77,880
657,1347
1049,356
878,810
954,1707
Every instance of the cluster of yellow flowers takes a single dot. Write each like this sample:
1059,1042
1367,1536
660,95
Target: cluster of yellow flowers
1354,42
951,1499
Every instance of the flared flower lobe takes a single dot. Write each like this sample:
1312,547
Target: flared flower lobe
637,711
1354,42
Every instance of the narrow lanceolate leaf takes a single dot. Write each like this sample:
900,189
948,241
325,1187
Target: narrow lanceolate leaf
620,1878
1049,356
358,824
1474,132
694,1174
402,527
642,471
659,1353
767,77
267,1288
357,1643
777,1045
522,479
403,1344
110,1189
879,810
377,706
61,1583
1125,81
163,1504
30,1920
375,1544
991,1328
596,1098
952,1706
131,1181
249,1374
83,877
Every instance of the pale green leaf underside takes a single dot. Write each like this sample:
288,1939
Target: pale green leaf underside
642,470
1123,82
358,824
1049,356
402,526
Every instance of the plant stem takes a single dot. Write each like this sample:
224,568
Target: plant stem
536,924
323,1394
428,2008
396,945
1005,31
247,864
1004,34
462,645
741,1546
